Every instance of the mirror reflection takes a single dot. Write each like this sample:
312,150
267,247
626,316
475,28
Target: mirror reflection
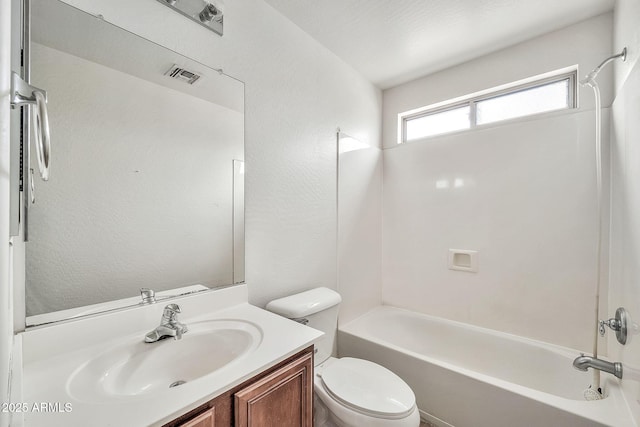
146,181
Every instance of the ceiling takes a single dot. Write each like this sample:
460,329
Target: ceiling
394,41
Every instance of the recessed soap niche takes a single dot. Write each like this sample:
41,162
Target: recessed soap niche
463,260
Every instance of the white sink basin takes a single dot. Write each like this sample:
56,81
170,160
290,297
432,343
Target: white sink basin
135,368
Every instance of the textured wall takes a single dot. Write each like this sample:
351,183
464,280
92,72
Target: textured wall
297,93
624,288
526,203
6,298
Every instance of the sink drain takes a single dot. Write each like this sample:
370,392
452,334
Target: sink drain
176,384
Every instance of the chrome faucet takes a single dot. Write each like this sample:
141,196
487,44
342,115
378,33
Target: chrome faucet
148,296
583,362
169,326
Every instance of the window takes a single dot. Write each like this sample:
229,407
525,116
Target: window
437,123
540,96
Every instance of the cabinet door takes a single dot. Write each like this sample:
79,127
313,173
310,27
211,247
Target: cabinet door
281,399
206,419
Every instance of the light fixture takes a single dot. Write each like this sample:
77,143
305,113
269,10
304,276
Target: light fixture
208,13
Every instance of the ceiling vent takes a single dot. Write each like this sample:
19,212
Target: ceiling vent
179,73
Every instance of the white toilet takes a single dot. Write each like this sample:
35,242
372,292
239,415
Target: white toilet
349,392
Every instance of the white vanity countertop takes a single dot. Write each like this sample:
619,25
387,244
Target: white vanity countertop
52,354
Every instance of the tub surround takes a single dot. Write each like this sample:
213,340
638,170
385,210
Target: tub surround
465,375
525,199
52,354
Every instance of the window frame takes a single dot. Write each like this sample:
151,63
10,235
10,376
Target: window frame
472,100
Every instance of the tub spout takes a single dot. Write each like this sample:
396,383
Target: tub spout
583,362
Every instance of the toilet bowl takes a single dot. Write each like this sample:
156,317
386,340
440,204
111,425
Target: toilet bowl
355,392
349,392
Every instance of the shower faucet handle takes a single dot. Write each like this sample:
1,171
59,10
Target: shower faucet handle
617,324
611,323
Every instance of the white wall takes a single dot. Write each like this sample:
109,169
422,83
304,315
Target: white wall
626,33
528,203
6,298
359,231
624,288
297,93
585,44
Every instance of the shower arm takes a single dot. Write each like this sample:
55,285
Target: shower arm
592,75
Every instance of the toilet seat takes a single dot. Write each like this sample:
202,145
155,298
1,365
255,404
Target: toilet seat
368,388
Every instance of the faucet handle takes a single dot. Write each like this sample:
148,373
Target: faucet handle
613,324
173,307
617,324
171,312
601,329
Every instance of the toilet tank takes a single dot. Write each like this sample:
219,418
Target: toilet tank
317,308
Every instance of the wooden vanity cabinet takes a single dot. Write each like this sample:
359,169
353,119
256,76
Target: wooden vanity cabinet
206,419
281,396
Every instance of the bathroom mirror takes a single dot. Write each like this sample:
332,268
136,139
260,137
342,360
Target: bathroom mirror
146,182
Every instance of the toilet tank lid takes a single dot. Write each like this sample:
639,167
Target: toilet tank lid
305,303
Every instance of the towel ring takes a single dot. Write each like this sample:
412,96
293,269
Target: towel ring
42,136
22,93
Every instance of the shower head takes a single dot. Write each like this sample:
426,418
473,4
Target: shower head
589,79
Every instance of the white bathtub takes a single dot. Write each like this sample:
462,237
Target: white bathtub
466,376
